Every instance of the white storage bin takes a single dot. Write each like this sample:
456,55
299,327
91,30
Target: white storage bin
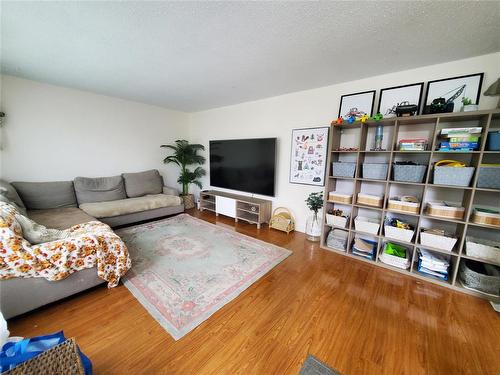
367,225
437,241
482,248
338,221
398,233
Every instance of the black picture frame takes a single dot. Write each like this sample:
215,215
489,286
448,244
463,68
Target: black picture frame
430,83
387,89
372,92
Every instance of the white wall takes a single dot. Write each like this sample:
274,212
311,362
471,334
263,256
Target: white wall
277,116
57,133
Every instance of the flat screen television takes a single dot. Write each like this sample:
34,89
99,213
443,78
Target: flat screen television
244,164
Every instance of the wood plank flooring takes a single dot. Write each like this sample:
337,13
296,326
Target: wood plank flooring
357,318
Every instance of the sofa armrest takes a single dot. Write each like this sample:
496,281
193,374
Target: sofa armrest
170,191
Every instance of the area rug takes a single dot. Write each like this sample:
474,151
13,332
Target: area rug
313,366
185,269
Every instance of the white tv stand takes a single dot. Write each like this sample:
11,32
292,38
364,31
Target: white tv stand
240,207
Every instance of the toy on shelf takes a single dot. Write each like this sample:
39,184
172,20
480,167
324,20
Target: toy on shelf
378,116
338,121
351,119
364,118
282,219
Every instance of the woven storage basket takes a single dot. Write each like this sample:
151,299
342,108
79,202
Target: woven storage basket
456,176
370,200
61,359
398,205
343,169
489,177
473,275
482,248
487,218
376,171
409,173
282,219
339,197
440,209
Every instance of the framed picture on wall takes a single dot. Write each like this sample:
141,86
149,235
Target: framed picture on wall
357,104
445,95
309,156
406,96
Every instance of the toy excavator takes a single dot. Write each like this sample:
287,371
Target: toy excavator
441,105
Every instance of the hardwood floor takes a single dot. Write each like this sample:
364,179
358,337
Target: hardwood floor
357,318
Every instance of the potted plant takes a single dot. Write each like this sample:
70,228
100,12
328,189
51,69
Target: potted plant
313,226
186,154
467,105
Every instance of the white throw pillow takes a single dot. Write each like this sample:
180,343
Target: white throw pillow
36,233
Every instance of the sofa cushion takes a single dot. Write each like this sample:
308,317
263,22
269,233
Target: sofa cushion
36,233
99,189
60,218
130,205
44,195
143,183
11,194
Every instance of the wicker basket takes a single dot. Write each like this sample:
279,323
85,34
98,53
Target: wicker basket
370,200
409,173
474,276
376,171
340,198
441,209
487,218
456,176
282,220
343,169
61,359
395,204
482,248
489,177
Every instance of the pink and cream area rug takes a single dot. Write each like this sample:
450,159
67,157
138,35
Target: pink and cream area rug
185,269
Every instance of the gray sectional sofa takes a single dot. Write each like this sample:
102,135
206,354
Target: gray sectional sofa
116,201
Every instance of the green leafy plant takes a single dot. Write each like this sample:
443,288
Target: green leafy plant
186,154
466,101
315,202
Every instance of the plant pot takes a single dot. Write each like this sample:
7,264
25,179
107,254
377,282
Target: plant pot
188,201
313,227
470,107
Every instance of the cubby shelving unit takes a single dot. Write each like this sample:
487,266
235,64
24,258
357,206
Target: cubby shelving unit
361,136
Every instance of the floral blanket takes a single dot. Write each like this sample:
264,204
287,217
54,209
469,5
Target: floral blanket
88,245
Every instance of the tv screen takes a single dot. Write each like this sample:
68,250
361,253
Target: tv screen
244,164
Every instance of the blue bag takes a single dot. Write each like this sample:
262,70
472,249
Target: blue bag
15,353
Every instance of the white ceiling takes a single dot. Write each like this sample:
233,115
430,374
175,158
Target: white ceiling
192,56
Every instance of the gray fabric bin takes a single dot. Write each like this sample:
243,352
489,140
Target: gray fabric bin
409,173
343,169
489,177
480,276
376,171
457,176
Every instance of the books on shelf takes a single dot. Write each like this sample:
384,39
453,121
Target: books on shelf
461,132
460,139
416,144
